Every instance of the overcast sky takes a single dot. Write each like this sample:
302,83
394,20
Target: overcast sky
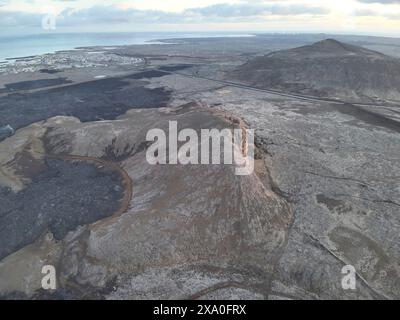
344,16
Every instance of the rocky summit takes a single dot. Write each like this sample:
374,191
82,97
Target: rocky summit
328,68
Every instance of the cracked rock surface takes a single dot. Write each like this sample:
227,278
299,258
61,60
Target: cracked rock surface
201,222
325,193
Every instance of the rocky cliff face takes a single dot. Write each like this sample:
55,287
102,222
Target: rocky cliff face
187,229
326,69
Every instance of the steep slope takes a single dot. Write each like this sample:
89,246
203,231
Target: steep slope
188,230
327,69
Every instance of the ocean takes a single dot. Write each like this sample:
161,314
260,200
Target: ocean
29,45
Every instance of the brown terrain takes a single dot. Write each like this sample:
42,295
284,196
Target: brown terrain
78,193
326,69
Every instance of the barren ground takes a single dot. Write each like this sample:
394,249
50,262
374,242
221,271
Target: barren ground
326,192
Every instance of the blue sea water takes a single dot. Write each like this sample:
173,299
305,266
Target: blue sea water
29,45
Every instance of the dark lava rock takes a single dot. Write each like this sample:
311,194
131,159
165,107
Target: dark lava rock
6,131
35,84
59,199
327,68
91,101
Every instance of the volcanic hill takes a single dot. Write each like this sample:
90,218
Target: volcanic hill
328,68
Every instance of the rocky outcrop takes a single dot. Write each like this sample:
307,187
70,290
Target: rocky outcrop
326,69
222,232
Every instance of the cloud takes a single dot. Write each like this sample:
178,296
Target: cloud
380,1
256,9
214,13
365,13
106,15
19,19
25,16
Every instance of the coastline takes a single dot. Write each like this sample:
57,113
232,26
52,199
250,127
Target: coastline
51,43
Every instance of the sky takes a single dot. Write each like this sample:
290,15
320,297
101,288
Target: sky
375,17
